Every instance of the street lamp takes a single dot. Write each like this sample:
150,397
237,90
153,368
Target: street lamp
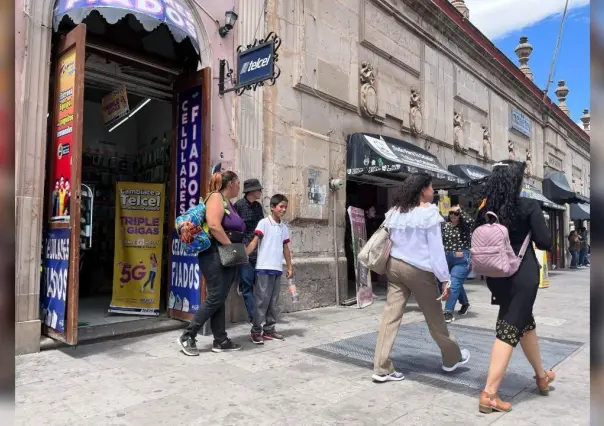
230,17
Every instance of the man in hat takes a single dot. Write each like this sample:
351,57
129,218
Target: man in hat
251,211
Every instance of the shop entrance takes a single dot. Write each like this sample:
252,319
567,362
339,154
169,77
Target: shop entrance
128,148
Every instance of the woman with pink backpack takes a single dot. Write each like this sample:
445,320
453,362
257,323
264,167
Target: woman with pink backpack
505,227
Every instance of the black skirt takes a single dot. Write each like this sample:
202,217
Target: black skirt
516,297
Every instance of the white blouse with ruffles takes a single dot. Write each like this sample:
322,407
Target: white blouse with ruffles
417,239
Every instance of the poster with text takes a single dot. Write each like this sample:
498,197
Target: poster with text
359,238
185,279
544,271
53,291
115,106
139,224
62,147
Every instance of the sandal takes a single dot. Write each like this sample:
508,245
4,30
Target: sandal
489,403
543,382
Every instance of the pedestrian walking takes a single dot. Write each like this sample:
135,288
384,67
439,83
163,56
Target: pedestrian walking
225,227
515,295
574,247
457,236
250,210
417,259
272,239
583,252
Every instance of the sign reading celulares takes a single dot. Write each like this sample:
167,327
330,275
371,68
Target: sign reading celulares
138,248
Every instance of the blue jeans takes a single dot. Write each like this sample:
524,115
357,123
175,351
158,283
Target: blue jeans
247,277
574,259
583,259
459,267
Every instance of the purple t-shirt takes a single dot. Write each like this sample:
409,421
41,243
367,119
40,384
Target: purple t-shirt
232,221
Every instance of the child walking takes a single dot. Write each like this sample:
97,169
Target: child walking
272,236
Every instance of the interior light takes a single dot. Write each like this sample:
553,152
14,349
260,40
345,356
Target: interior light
134,111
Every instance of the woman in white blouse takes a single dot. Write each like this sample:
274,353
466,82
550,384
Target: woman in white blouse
417,257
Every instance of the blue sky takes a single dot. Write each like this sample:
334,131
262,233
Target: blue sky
504,21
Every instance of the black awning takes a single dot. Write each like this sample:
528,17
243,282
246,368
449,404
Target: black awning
557,189
580,211
469,171
175,14
530,191
371,154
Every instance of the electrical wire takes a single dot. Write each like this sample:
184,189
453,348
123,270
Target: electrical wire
551,70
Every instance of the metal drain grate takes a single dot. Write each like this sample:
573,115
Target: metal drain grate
418,357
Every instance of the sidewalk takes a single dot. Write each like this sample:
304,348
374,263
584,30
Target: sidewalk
144,380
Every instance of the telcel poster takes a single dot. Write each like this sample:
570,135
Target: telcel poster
544,271
363,275
64,110
115,106
139,227
53,292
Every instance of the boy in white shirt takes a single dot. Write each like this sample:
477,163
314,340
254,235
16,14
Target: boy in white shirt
273,236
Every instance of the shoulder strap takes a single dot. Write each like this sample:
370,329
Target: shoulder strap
525,245
224,201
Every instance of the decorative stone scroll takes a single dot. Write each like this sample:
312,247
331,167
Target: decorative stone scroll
511,154
528,171
415,115
458,135
368,94
487,148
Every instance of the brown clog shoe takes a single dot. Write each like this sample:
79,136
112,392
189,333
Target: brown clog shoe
489,403
543,382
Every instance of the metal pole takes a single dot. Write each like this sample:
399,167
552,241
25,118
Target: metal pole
335,246
551,70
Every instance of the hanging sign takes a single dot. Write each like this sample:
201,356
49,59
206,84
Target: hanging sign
139,223
115,106
62,146
53,292
362,274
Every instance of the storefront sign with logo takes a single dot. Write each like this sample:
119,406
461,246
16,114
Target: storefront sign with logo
115,106
61,152
185,279
139,217
53,291
188,151
256,64
520,122
362,274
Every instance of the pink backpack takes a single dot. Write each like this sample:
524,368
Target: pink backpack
492,253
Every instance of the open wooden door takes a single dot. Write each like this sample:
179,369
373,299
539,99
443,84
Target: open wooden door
189,182
59,290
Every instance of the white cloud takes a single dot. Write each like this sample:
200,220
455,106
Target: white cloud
497,18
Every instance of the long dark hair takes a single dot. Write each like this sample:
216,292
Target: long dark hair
407,197
502,193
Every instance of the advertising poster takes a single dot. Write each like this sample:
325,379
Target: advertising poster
139,224
444,205
359,237
185,276
544,271
115,106
64,110
53,291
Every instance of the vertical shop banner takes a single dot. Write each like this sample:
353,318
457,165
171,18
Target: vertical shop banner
53,291
139,224
185,276
61,152
359,238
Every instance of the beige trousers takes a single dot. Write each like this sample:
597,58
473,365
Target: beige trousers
404,280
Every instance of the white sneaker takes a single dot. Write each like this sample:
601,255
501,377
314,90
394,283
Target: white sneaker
465,357
395,376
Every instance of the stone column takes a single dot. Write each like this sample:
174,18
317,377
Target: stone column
562,92
523,51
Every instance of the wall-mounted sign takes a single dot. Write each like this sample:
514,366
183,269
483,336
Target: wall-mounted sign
256,63
520,122
115,106
554,162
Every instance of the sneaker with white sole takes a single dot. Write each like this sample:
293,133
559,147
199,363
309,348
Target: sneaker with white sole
187,345
395,376
465,357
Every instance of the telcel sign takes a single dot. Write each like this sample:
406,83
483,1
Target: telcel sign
256,64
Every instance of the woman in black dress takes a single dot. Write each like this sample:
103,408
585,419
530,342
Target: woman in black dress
515,295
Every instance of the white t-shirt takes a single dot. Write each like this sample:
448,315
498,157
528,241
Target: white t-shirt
273,236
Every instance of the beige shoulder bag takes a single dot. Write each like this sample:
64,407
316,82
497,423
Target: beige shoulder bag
376,252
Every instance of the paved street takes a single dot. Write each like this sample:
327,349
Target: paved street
145,381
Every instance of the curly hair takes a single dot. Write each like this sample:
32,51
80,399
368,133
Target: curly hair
502,193
407,197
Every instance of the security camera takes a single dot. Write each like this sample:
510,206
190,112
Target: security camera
336,184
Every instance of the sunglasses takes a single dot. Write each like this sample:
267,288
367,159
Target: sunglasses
454,213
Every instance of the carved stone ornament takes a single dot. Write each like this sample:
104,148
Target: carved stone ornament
458,136
487,148
511,154
528,171
367,92
415,115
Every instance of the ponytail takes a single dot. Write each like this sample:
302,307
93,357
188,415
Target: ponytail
220,180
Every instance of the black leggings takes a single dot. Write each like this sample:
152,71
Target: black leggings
218,284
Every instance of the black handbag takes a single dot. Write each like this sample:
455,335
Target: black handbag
232,255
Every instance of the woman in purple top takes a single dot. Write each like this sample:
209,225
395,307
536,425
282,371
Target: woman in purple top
226,227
